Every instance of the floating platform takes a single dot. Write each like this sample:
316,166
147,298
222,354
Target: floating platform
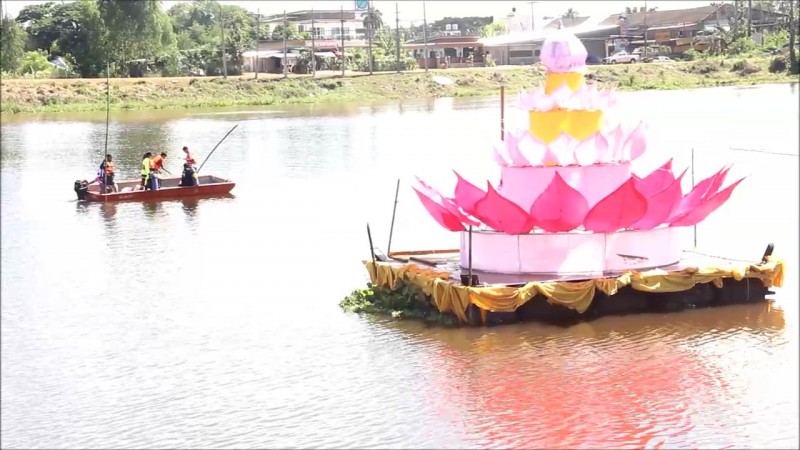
696,281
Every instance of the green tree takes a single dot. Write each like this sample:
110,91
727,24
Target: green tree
493,29
290,32
12,45
199,34
68,29
137,30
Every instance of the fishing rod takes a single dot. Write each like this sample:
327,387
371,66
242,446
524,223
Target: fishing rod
215,148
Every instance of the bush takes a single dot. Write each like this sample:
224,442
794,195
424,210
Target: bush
741,46
691,55
778,64
744,68
35,65
703,67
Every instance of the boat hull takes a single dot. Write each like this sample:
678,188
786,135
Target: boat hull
209,186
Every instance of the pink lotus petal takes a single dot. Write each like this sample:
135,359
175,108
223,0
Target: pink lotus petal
656,181
586,152
620,209
467,195
559,207
501,214
614,139
439,213
693,199
562,96
635,145
560,150
660,205
497,154
706,207
535,149
512,149
447,203
716,183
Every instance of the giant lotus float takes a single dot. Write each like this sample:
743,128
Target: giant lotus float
571,230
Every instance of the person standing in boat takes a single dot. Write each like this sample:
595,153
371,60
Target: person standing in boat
146,169
192,163
189,158
156,166
107,174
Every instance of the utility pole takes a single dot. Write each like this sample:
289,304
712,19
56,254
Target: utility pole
533,26
313,47
222,35
258,36
750,17
285,71
645,29
341,32
425,34
397,25
369,36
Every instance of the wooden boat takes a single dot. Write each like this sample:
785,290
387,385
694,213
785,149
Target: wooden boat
170,188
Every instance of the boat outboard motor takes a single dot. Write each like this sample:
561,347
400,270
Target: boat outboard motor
81,189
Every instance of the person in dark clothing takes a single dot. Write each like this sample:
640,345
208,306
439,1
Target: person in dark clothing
188,177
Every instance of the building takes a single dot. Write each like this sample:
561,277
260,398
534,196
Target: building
524,48
458,26
269,56
681,29
565,22
327,24
447,51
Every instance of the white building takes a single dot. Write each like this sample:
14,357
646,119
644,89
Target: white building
324,24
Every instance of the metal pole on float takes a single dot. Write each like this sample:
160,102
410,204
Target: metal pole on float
372,253
258,33
502,112
469,256
694,228
394,212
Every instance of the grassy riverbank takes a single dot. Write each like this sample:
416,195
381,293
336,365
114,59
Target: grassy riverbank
64,95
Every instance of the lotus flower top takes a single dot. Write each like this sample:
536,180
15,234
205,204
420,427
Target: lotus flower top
587,98
563,52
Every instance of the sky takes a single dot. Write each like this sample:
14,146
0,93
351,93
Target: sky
412,10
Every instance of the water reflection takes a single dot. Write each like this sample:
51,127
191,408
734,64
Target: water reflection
152,210
225,362
189,207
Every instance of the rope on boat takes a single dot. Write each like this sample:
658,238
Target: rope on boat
720,257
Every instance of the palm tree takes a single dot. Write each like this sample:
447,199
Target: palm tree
372,21
570,14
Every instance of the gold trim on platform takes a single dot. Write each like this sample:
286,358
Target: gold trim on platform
450,296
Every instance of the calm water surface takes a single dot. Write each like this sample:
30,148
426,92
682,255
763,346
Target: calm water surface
214,323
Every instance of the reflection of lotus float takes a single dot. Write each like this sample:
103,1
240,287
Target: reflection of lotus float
570,206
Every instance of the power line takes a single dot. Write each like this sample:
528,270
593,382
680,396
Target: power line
752,150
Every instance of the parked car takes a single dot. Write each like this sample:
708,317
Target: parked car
591,59
622,58
785,49
663,59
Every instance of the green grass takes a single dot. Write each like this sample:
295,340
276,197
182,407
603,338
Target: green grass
74,95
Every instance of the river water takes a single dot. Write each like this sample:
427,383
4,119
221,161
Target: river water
214,323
